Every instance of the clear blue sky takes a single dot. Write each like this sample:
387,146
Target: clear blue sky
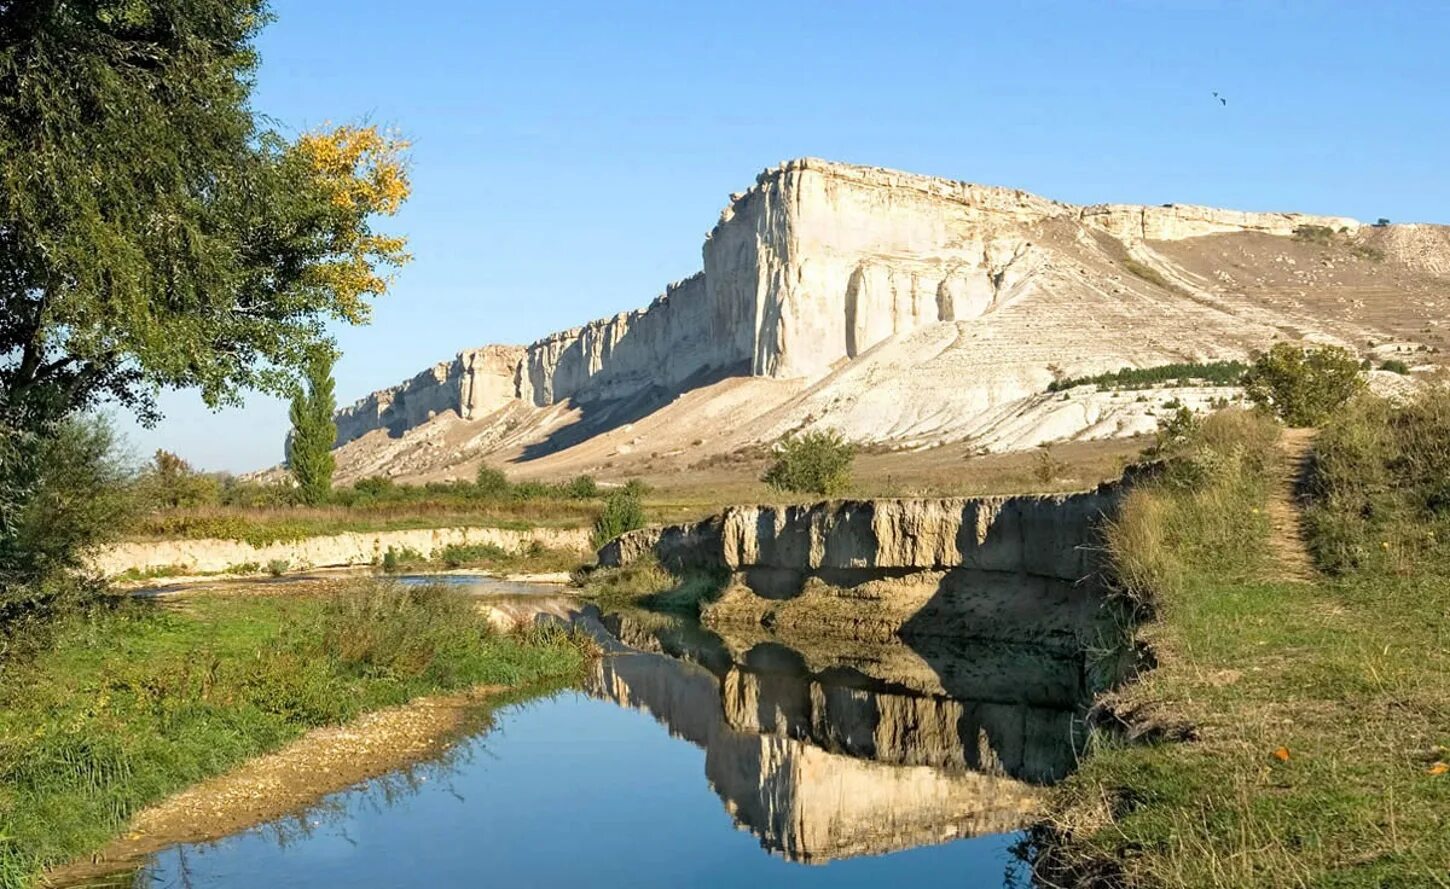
569,157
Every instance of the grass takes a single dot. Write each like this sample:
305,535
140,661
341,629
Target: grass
647,584
264,525
1218,373
1147,273
1316,712
130,703
533,559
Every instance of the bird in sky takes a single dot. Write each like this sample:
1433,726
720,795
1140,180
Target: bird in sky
1221,99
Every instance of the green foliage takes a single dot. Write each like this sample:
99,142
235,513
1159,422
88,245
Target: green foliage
155,235
1395,365
309,446
645,583
457,555
64,492
582,488
1322,235
491,482
1218,373
278,567
812,463
130,704
622,512
1379,487
169,482
1303,387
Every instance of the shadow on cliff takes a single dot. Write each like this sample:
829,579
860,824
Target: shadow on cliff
599,416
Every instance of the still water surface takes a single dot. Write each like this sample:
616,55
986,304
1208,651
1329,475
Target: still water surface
703,761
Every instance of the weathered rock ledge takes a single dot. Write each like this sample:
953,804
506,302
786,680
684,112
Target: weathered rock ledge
1021,568
216,555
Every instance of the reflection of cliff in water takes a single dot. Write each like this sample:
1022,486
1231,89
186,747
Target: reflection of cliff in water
863,750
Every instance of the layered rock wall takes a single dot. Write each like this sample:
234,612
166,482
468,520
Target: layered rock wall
475,383
815,264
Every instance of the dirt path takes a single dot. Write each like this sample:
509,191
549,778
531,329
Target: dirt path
1286,516
321,762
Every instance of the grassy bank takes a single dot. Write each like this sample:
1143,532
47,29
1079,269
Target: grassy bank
127,704
647,584
1297,731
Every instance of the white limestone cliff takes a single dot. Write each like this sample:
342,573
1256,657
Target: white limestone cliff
938,306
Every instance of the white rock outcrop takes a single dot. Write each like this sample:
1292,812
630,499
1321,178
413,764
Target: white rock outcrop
917,310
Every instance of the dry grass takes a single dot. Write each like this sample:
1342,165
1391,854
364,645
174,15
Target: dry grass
1318,713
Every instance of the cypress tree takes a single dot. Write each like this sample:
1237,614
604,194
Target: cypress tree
309,448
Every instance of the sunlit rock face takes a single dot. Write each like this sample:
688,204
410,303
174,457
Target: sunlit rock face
473,385
819,264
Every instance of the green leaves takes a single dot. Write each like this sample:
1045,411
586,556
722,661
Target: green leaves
309,450
1303,387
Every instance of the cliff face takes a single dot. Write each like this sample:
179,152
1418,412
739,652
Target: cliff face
474,384
1018,569
917,309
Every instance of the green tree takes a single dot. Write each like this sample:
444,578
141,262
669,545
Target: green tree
154,233
1303,387
170,482
813,463
309,447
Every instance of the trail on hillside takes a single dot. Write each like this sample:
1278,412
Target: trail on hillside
1286,514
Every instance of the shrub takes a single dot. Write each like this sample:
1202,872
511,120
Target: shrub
60,494
457,555
1395,365
813,463
1303,386
1046,467
278,567
491,482
169,482
582,488
622,512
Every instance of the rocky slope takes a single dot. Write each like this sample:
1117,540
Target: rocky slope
910,310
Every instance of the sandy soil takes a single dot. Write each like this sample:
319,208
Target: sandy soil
322,762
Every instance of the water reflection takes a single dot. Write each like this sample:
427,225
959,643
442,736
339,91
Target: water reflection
836,753
829,754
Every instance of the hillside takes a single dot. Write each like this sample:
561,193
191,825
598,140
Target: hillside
910,311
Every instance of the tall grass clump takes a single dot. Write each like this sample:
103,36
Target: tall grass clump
1200,512
1379,487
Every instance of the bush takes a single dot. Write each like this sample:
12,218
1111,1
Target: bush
60,495
278,567
1379,487
582,488
1395,365
169,482
491,482
457,555
1301,386
622,512
813,463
